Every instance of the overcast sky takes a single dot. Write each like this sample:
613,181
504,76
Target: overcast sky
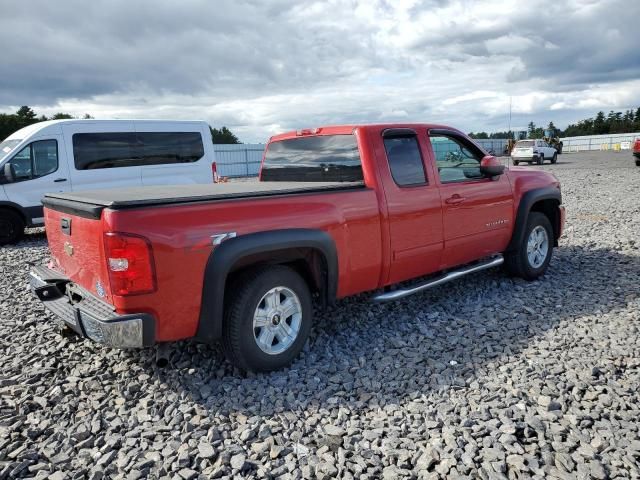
261,67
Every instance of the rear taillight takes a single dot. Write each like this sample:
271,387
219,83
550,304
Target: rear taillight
130,264
214,172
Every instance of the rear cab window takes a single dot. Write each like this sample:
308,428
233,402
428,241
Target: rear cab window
322,158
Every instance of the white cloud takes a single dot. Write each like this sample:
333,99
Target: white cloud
263,67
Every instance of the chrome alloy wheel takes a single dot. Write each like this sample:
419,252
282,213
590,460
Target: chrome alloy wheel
537,246
277,320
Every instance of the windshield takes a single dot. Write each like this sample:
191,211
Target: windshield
8,145
525,143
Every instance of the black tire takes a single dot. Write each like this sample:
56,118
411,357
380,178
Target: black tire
540,160
239,336
11,227
554,159
517,263
516,162
637,163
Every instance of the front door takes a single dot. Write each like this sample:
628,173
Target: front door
477,211
38,168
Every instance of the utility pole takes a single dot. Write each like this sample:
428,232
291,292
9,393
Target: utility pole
509,130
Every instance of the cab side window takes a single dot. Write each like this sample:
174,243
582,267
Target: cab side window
405,160
457,159
35,160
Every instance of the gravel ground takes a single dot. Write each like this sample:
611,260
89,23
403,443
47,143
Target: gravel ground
488,377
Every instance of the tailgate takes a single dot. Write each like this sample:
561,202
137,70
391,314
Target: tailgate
77,250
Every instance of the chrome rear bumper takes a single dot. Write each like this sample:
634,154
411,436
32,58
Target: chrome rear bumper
88,315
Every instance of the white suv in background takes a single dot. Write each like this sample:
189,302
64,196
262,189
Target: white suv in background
533,151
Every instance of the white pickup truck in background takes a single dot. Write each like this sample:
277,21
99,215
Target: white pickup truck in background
533,151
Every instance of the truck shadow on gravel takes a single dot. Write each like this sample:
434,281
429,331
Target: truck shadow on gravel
362,354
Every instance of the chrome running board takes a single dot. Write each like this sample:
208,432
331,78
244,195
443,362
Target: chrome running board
447,277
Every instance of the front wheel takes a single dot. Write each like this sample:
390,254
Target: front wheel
531,258
554,159
267,319
637,163
540,160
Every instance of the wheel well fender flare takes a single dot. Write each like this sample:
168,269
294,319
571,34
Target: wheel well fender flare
228,254
528,200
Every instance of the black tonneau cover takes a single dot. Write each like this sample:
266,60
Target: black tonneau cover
90,203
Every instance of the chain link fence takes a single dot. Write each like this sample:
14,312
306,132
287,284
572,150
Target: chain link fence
614,142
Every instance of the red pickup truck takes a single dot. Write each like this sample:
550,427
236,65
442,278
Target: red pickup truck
636,151
338,211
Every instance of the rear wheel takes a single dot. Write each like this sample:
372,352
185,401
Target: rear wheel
11,227
267,319
637,163
540,160
516,162
554,159
531,258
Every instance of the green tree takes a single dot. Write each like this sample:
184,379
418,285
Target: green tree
61,116
531,128
26,113
600,126
479,135
223,135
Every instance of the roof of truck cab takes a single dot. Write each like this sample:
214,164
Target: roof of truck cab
349,129
55,125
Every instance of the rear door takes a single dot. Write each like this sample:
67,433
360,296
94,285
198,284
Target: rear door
39,167
477,211
413,204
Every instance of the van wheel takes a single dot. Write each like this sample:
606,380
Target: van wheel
11,227
532,256
267,319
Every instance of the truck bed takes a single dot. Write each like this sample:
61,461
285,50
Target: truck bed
90,203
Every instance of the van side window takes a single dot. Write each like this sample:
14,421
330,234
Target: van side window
130,149
405,161
37,159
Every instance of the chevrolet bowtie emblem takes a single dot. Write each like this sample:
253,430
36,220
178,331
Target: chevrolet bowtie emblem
68,248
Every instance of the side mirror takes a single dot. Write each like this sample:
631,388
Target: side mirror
6,175
490,166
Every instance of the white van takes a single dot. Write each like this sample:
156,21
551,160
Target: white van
72,155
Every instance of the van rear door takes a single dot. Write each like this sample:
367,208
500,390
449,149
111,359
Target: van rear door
37,168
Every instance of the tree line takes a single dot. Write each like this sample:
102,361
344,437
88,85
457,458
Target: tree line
25,116
601,124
